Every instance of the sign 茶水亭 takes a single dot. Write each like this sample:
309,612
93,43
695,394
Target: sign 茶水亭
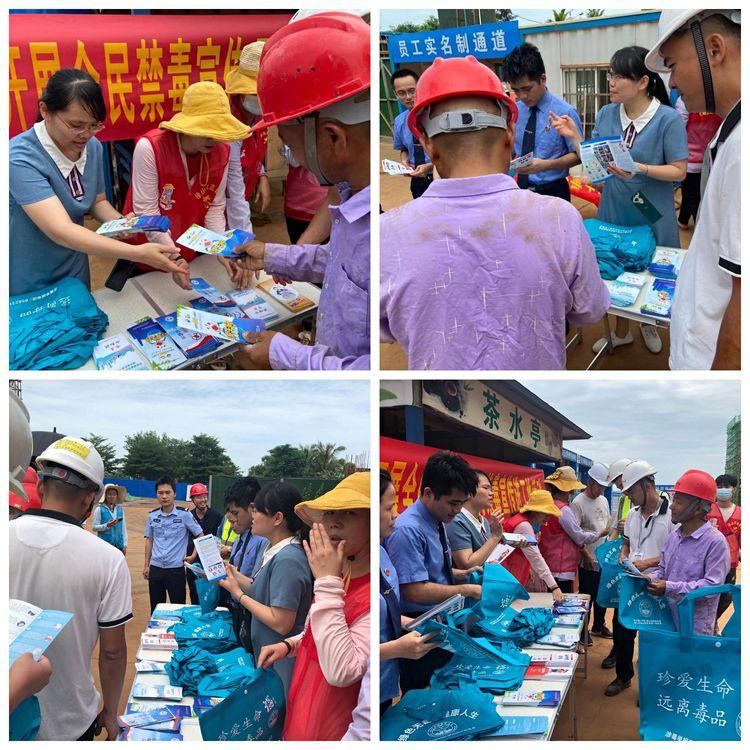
143,63
511,484
485,41
479,406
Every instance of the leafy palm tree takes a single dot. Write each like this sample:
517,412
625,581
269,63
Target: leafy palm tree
323,458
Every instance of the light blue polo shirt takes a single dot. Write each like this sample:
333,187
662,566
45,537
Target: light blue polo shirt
170,533
37,262
548,143
462,534
246,557
403,138
417,553
389,670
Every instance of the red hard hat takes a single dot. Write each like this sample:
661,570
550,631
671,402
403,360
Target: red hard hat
311,64
456,76
198,489
698,484
30,480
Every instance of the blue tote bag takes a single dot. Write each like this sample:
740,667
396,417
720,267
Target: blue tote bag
639,610
460,712
491,676
607,555
499,590
255,711
689,685
208,594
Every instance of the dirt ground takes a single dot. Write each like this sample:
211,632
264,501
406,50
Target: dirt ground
599,717
394,191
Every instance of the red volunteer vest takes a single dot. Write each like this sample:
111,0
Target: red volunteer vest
731,530
183,205
253,151
559,551
303,194
316,710
701,129
516,563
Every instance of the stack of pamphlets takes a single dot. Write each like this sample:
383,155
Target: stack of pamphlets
253,305
666,264
158,692
287,295
540,672
152,340
116,353
624,290
134,225
538,698
552,658
659,298
561,640
533,727
192,343
159,642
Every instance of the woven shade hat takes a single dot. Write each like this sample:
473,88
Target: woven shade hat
349,494
206,114
244,78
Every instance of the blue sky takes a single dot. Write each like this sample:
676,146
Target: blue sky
390,18
674,424
248,417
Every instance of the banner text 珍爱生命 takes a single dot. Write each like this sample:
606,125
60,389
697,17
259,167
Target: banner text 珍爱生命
143,63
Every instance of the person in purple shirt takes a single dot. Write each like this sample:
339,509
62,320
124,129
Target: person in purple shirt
321,104
696,553
478,274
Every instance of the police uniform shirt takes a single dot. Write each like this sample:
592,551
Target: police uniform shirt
170,534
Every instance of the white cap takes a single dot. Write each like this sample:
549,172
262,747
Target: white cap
600,474
21,444
617,467
77,455
671,21
351,111
634,472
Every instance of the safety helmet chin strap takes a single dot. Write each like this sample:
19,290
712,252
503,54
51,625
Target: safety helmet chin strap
310,125
700,49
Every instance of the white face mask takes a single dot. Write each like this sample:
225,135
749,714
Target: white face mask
251,104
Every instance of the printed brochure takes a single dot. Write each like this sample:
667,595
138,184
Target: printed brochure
202,240
221,326
192,343
152,340
32,629
116,353
600,153
134,225
287,295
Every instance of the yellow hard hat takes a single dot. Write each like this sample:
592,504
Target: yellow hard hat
565,479
206,114
540,501
350,493
244,78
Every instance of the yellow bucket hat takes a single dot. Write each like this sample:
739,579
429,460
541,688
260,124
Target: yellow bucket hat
205,114
565,479
350,493
541,501
244,78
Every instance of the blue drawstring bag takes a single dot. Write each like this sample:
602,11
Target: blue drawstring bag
638,609
607,555
212,632
254,711
491,676
24,722
619,249
189,666
524,627
55,328
460,712
689,685
499,590
208,594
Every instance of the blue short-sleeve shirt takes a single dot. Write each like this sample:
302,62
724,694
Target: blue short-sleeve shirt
247,552
462,534
170,533
416,551
403,138
548,143
37,262
389,669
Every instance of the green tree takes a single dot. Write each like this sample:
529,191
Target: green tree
594,13
560,15
206,457
323,460
180,457
282,461
108,452
147,456
429,24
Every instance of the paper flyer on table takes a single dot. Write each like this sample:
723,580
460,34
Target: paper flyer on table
208,549
144,718
135,225
192,343
168,692
211,293
222,326
32,629
287,295
203,240
201,303
395,167
116,353
253,305
153,341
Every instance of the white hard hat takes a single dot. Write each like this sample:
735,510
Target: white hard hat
21,444
617,467
634,472
671,21
79,457
599,473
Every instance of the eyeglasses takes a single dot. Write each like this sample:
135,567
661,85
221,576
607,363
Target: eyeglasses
77,130
405,93
614,77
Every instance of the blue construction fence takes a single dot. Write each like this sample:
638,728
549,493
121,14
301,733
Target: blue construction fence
145,487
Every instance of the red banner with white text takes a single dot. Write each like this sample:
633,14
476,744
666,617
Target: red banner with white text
511,484
143,63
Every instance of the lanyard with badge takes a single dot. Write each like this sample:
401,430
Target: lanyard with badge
640,200
650,527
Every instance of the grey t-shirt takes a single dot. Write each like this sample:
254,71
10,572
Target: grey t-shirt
462,534
287,582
